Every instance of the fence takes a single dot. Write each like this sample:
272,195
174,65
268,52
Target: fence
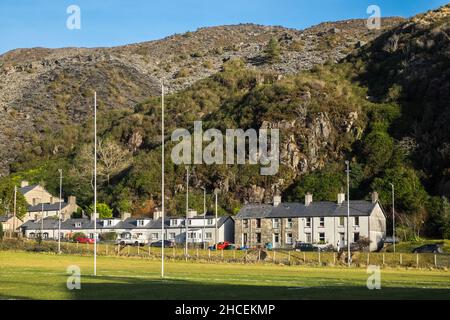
285,257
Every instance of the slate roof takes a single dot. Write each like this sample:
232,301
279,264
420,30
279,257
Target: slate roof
298,209
130,223
47,207
26,189
5,218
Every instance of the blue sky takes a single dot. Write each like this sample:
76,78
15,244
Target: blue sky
42,23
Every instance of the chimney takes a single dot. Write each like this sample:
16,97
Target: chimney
340,197
157,214
191,213
276,200
72,200
374,197
24,184
308,199
125,215
52,200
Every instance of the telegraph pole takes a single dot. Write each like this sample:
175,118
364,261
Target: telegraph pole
216,191
187,208
393,216
15,209
204,217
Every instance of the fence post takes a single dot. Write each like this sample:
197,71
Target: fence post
222,254
368,258
149,251
259,255
138,248
274,256
245,256
209,254
77,245
234,254
435,260
118,248
304,257
334,257
197,253
401,259
320,260
173,252
384,259
417,260
106,249
289,257
128,251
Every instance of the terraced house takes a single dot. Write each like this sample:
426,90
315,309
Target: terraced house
284,223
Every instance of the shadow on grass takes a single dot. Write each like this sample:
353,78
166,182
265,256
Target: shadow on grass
175,289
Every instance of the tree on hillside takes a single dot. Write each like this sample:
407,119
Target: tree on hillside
7,199
103,211
272,52
113,158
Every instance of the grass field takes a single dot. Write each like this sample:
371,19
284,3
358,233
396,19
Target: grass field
43,276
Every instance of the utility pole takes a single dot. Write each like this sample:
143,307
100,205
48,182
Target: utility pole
42,213
393,215
187,209
59,216
347,163
162,178
216,191
204,217
95,183
15,209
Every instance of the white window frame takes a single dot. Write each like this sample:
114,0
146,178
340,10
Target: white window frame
308,222
289,239
289,223
154,236
208,235
275,223
354,221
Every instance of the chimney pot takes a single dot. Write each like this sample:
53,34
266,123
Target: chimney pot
276,200
24,183
374,197
340,197
308,199
157,214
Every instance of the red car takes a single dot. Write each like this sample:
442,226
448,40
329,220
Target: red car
84,240
222,245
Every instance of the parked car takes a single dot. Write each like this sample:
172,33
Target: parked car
158,244
131,242
428,248
302,246
84,240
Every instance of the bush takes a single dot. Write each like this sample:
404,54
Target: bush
108,236
78,235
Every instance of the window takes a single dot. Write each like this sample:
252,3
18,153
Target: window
258,223
341,221
172,235
32,235
192,235
208,235
140,223
189,222
210,222
258,237
356,221
77,224
308,237
109,222
173,222
308,222
288,238
289,223
245,223
275,223
276,238
322,236
356,237
154,236
322,222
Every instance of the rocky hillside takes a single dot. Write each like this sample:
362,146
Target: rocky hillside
43,90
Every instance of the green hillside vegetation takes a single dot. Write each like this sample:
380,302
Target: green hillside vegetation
397,86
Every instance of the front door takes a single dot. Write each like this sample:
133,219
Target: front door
276,240
341,240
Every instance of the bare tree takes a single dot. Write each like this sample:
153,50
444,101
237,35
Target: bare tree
112,157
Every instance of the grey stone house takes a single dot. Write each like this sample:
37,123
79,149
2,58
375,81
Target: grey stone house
285,223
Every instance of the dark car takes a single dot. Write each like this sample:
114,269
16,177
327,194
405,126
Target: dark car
167,244
428,248
306,247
